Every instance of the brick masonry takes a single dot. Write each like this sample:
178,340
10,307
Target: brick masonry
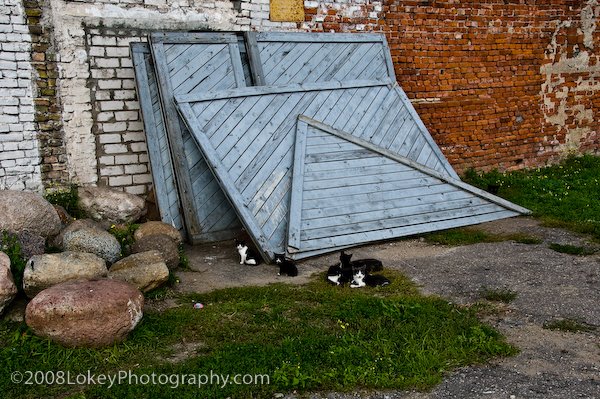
500,83
19,155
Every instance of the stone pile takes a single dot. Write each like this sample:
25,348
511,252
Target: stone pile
89,294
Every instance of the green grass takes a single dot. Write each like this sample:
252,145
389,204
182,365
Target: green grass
67,197
498,294
565,195
569,325
305,338
9,244
468,236
571,249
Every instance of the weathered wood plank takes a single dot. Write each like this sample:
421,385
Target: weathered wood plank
175,140
295,219
254,55
229,64
265,90
334,243
379,229
413,188
167,199
339,156
392,201
403,215
192,37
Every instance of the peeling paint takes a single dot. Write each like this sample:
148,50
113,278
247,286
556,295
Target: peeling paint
573,69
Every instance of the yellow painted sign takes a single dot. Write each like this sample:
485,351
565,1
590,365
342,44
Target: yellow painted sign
287,10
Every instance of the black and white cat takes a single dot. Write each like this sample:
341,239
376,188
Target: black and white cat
360,271
287,267
358,278
247,255
334,275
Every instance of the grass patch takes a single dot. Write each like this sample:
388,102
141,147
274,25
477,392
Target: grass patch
305,338
124,235
9,244
565,195
571,249
67,197
460,236
467,236
498,294
522,238
569,325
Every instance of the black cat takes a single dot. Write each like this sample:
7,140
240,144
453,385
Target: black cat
370,265
287,266
247,255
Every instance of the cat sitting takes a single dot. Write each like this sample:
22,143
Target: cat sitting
358,277
370,265
287,267
247,255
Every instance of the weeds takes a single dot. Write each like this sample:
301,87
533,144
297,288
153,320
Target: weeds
468,236
565,195
68,198
124,235
569,325
9,244
498,294
571,249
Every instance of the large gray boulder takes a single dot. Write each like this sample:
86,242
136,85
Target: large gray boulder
22,210
167,248
110,206
153,228
44,271
146,270
74,226
93,313
94,241
8,290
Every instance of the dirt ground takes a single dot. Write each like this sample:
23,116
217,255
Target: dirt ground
549,286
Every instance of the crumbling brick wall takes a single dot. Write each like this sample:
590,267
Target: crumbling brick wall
500,84
19,155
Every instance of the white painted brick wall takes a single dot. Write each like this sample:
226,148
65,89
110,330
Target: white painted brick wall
19,155
104,136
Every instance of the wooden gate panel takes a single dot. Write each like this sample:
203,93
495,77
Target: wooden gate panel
158,147
197,63
342,197
287,57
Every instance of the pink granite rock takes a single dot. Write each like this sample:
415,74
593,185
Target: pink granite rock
86,313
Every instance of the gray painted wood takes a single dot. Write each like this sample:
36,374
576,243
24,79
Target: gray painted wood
289,57
194,63
358,206
158,151
266,187
393,118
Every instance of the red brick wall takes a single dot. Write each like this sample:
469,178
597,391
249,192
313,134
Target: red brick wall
500,84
